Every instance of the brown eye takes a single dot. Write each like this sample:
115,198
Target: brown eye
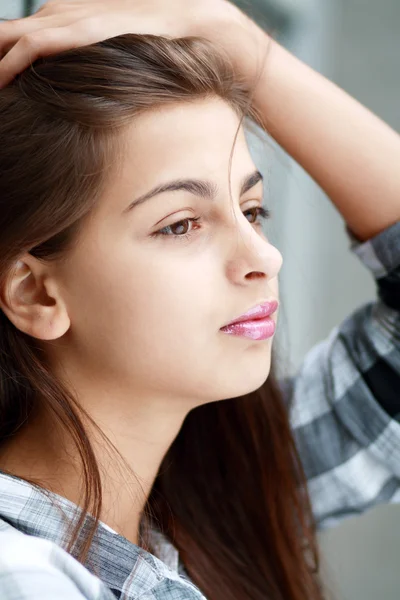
253,214
180,228
258,212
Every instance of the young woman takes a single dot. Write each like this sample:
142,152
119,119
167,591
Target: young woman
146,449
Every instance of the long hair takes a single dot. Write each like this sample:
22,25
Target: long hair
230,493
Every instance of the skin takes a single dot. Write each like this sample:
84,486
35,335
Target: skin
132,322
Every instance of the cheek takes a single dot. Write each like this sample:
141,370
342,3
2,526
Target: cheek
166,304
142,303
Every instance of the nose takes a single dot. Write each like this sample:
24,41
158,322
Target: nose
251,255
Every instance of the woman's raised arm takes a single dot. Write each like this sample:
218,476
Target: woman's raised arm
351,153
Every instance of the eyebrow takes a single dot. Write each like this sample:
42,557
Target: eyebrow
199,187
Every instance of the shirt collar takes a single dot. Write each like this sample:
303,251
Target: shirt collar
112,557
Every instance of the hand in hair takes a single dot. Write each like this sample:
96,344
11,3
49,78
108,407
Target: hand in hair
62,25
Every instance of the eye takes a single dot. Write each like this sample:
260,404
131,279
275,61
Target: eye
258,212
179,230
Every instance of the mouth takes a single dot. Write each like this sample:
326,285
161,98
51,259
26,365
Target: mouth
257,313
255,324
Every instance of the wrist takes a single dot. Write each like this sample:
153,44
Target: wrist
246,44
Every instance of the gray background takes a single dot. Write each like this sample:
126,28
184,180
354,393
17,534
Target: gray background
357,44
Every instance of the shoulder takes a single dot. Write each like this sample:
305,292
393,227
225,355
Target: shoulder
37,569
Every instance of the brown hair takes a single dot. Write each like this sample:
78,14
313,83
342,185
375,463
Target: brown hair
230,494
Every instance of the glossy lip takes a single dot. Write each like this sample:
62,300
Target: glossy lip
260,311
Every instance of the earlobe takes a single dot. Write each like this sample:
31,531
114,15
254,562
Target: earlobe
31,300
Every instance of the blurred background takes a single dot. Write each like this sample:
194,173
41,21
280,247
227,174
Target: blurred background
356,43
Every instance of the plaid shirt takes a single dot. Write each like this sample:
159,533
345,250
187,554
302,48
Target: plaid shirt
344,406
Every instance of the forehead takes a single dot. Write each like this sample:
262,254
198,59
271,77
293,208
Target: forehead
185,139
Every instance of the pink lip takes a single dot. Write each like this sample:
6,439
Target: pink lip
260,329
261,311
255,324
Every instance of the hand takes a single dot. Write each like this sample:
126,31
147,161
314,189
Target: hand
62,25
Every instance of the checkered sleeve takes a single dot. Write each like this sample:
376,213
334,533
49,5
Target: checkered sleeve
345,398
32,568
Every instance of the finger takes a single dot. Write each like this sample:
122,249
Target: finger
43,43
11,31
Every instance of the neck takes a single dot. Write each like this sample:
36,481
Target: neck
42,451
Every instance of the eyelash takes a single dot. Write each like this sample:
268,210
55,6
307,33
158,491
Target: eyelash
262,213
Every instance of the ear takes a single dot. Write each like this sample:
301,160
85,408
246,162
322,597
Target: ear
32,301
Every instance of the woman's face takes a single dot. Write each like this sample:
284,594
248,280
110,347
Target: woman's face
146,301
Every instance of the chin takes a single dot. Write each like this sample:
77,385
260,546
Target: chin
245,384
